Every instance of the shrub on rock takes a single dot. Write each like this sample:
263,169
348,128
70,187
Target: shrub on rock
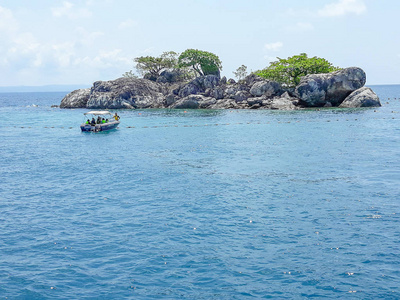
289,71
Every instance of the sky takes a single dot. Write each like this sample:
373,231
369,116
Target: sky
45,42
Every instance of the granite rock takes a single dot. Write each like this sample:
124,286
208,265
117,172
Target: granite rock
316,90
363,97
266,88
76,99
126,93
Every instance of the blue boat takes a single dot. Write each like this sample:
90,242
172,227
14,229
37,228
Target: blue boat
100,121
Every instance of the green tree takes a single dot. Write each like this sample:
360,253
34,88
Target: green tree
170,59
240,72
155,65
290,70
202,62
129,74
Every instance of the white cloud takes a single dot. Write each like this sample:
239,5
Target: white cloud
104,59
69,10
17,48
87,38
343,7
273,46
29,58
127,24
25,42
63,10
7,21
63,54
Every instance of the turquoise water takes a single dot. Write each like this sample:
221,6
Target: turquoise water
242,204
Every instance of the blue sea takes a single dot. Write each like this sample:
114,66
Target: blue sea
200,204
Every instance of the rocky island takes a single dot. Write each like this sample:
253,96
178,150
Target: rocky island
342,88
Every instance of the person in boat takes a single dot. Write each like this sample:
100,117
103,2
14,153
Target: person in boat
98,120
106,120
88,121
103,120
93,122
116,117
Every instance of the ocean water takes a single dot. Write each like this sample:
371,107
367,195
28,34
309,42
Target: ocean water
196,204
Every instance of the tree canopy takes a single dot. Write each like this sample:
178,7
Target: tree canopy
203,62
155,65
240,72
290,70
129,74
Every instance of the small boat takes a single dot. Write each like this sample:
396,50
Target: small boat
99,121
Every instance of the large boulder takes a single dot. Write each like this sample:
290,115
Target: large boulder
256,100
265,88
161,79
206,82
194,102
363,97
149,76
170,76
241,96
76,99
217,93
189,89
231,91
225,103
284,102
126,93
170,99
316,90
199,85
186,103
252,78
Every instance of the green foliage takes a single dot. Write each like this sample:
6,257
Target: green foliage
155,65
240,72
170,60
202,62
290,70
191,63
129,74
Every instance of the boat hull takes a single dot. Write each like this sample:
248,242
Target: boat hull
99,127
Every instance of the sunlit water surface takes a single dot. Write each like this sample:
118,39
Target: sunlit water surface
197,204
